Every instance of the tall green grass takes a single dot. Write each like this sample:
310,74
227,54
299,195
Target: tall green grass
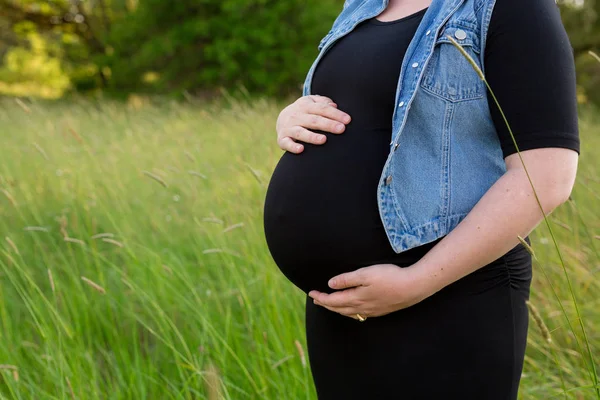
133,263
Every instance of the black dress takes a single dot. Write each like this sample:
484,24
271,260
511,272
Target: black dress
321,219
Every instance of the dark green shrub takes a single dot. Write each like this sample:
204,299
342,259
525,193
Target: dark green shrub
201,45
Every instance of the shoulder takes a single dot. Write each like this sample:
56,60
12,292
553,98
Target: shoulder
528,21
529,11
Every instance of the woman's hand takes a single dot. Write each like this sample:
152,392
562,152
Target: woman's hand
308,112
374,291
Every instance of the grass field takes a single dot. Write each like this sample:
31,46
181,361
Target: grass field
133,264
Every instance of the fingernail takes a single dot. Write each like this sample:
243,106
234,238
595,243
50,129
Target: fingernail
346,118
299,147
339,127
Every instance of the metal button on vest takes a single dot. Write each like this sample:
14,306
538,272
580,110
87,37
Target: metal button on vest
401,104
415,65
388,180
396,146
460,34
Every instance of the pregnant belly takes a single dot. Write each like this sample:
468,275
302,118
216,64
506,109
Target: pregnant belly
321,216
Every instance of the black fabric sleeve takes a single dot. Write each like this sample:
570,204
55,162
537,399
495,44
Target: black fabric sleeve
529,65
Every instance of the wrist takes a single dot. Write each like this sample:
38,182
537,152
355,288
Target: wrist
428,278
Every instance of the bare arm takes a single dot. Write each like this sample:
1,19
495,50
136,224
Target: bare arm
507,209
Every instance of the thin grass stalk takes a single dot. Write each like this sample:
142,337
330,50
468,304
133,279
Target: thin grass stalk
593,373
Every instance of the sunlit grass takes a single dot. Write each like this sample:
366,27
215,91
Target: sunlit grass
133,263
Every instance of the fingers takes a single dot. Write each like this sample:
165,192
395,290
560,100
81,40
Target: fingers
340,299
287,143
348,280
345,311
314,112
314,121
299,133
319,99
328,111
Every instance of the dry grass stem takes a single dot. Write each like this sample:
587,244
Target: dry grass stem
198,174
9,197
36,229
468,57
563,225
73,240
189,156
51,279
93,285
103,235
75,135
211,251
156,178
70,388
114,242
41,151
23,106
12,245
535,314
300,352
232,227
527,246
213,382
278,363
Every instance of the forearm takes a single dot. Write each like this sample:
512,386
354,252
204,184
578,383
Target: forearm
507,210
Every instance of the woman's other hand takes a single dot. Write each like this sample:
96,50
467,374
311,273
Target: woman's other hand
375,291
309,112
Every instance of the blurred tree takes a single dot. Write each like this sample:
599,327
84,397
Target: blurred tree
33,71
202,45
582,21
79,27
265,45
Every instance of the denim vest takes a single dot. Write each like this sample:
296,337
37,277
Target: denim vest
445,152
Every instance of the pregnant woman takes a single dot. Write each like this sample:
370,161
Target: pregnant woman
402,183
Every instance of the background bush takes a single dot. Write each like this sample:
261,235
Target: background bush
198,46
264,45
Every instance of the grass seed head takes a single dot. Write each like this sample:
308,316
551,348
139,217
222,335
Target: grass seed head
468,57
535,314
156,178
300,352
94,285
12,245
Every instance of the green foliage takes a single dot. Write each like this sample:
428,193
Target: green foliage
582,22
263,45
201,46
588,77
33,71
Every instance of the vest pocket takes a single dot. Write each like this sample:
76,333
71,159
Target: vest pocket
449,74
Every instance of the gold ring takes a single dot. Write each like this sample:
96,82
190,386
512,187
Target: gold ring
361,318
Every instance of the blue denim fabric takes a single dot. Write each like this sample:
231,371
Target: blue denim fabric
445,152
